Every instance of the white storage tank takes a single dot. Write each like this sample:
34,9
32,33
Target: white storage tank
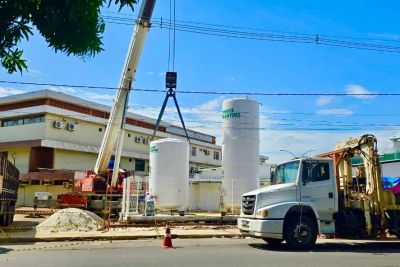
240,150
169,173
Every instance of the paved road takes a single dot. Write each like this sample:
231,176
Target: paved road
198,252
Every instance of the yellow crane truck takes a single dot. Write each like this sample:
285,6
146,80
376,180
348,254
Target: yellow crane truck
323,195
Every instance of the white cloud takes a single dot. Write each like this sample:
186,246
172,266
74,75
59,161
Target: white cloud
211,105
299,142
62,89
358,89
34,72
206,118
337,111
96,96
6,91
324,100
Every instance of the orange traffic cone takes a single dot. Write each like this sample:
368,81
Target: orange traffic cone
167,242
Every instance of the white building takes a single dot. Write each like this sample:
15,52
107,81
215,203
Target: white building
205,190
51,135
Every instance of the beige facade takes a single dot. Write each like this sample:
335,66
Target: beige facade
19,157
47,132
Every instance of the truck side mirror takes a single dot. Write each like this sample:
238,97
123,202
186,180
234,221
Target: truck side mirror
272,171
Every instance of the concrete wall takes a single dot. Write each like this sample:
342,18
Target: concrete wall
73,160
87,133
202,158
204,197
21,156
23,132
26,193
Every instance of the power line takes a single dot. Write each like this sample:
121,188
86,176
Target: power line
128,17
292,38
249,93
293,127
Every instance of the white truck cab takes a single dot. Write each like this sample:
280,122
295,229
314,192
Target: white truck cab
299,204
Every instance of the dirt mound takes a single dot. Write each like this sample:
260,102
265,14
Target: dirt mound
68,220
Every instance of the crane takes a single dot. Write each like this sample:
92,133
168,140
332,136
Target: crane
116,120
96,182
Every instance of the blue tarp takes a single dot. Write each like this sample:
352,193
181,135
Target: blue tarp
390,182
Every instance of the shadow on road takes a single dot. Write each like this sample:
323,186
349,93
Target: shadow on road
4,250
365,247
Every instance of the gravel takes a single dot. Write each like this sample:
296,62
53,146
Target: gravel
68,220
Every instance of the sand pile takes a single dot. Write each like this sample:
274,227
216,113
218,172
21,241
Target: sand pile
67,220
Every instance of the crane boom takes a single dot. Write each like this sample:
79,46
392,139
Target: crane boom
116,120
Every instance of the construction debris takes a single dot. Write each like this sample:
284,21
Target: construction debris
68,220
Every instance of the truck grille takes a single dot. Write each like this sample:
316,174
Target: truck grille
248,203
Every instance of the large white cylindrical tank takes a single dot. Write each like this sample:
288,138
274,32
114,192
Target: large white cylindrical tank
240,149
169,173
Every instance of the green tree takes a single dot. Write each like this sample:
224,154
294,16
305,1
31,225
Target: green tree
70,26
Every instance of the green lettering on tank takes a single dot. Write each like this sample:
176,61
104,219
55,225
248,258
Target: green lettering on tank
230,114
153,149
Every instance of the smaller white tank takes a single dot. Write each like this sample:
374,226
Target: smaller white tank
169,173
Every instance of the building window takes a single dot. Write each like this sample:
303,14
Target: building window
139,165
193,151
129,135
23,120
216,155
100,129
60,182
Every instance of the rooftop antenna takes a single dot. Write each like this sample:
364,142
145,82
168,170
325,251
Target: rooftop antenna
282,150
307,152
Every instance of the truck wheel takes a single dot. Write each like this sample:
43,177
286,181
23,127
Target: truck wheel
10,218
4,219
300,235
272,242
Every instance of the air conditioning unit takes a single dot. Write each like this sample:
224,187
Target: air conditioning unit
144,140
58,124
67,184
71,126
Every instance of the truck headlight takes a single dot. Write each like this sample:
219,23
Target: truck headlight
262,213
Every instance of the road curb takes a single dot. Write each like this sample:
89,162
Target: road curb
11,239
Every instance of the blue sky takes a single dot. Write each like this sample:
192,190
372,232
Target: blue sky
211,63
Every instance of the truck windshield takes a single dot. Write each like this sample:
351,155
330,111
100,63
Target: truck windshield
286,173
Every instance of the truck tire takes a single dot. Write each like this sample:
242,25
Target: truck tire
300,235
4,219
272,242
10,219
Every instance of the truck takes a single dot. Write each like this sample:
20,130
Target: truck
9,184
323,195
102,187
